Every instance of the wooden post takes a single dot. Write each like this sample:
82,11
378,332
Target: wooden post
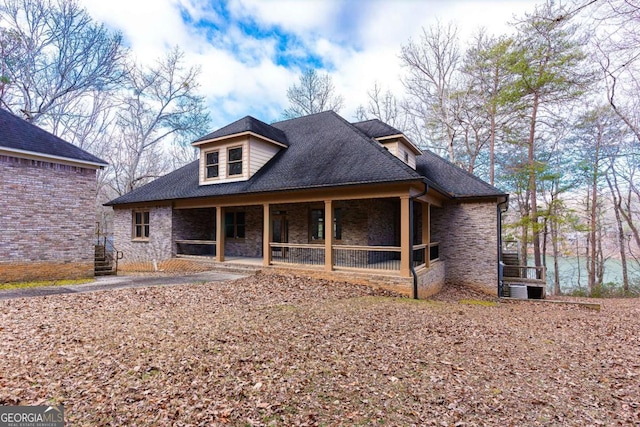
328,235
405,271
266,235
220,234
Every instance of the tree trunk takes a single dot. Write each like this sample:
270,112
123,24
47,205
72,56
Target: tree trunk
621,246
554,246
532,182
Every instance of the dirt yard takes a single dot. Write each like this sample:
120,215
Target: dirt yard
284,350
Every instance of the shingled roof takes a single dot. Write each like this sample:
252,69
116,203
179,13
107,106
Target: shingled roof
376,128
451,179
324,150
23,138
247,124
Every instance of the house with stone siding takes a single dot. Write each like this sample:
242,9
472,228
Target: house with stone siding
47,215
320,194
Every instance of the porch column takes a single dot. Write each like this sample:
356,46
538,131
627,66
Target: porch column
405,217
426,231
266,235
328,235
219,234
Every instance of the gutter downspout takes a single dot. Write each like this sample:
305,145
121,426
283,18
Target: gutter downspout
500,210
411,232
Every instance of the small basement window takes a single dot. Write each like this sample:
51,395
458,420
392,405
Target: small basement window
212,164
140,225
234,161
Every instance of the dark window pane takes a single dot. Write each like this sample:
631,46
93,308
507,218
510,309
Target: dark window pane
138,219
235,168
229,231
146,231
212,171
337,224
240,233
146,217
212,158
229,226
235,154
240,218
317,224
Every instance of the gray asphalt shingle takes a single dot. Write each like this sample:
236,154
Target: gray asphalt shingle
18,134
324,150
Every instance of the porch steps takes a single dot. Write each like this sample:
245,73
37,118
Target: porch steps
511,260
235,267
103,265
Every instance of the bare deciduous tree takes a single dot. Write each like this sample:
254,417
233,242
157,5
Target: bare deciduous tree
162,105
314,93
54,53
432,65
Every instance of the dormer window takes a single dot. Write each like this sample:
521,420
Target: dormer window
212,164
234,163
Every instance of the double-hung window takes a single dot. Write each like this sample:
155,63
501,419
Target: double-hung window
140,225
234,161
317,225
234,225
212,165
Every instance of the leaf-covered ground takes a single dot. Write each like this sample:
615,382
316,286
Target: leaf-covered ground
286,350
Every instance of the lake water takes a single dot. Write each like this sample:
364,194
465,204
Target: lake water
574,275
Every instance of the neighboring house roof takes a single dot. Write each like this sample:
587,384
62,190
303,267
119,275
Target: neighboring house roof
376,129
451,179
324,150
21,138
247,124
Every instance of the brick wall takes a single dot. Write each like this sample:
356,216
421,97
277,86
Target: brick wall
47,223
467,233
159,245
251,245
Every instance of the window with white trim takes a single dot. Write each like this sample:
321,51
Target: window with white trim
140,225
212,164
234,161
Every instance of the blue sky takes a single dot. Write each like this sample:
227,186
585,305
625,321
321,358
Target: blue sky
251,51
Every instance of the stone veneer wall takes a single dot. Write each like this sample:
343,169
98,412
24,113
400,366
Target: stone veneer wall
47,223
431,280
158,247
468,238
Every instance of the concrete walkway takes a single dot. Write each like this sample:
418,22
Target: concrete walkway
121,282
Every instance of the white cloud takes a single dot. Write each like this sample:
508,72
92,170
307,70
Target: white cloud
237,44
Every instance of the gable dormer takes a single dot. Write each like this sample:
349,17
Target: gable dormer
237,151
392,139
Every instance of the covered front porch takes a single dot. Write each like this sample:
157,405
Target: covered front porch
384,236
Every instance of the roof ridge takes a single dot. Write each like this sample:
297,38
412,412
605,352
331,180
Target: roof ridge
377,144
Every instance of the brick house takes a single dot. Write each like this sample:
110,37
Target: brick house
320,193
47,220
